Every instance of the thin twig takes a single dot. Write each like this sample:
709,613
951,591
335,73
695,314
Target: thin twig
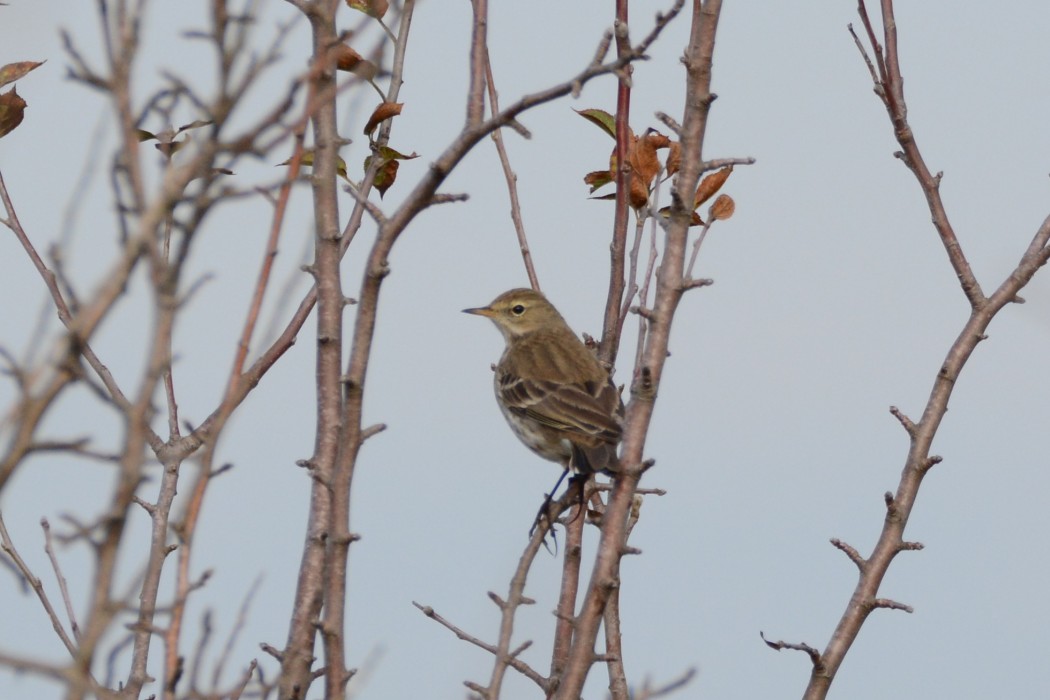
515,663
62,587
510,176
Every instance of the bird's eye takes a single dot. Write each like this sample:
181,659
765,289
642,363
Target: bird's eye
517,309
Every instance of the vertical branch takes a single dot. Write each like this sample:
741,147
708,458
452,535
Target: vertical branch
570,584
899,505
515,599
605,575
479,58
121,50
296,673
617,249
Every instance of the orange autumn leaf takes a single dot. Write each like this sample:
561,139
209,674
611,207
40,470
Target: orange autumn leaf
12,110
674,158
711,184
645,164
722,208
382,112
346,59
638,196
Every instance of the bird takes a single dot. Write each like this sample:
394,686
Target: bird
559,400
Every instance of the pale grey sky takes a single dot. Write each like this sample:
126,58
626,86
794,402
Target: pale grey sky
833,300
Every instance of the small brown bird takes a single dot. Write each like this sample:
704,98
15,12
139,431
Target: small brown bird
555,395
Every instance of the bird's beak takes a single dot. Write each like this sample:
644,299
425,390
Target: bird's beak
481,311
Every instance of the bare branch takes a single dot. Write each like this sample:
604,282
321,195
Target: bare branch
814,655
508,173
515,663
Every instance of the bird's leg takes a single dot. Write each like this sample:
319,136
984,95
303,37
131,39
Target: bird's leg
577,484
544,512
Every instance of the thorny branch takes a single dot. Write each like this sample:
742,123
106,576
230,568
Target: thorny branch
886,74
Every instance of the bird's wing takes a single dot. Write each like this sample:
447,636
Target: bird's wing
590,409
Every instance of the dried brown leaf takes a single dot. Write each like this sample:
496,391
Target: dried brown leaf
722,208
195,125
385,175
12,110
13,71
645,164
346,59
384,111
674,158
711,184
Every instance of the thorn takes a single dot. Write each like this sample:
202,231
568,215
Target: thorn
221,470
853,554
272,651
814,655
521,647
447,198
931,461
372,430
479,689
906,422
642,311
690,283
669,122
891,605
148,507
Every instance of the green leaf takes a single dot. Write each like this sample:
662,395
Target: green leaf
598,179
388,153
603,119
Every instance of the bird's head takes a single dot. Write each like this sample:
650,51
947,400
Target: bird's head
519,312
